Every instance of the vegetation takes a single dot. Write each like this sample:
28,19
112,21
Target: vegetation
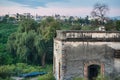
5,31
32,41
6,71
48,76
78,78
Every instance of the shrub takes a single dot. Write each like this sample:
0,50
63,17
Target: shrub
78,78
48,76
6,71
117,78
21,68
100,77
8,78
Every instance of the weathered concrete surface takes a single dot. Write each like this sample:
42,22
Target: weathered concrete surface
79,53
73,56
57,58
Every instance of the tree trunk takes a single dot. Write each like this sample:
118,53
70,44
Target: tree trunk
43,60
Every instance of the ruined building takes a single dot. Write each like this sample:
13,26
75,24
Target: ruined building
86,54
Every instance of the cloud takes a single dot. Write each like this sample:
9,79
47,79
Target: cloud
114,12
45,11
52,7
36,3
9,3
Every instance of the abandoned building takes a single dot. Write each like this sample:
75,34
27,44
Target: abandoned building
86,54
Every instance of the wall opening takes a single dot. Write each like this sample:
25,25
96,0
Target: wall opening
93,72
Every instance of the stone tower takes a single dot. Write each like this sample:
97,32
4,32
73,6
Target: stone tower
86,54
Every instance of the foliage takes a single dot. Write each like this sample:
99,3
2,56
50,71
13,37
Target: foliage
76,27
88,28
48,76
20,68
100,77
117,23
8,78
78,78
6,70
32,41
113,25
5,58
110,26
117,78
5,30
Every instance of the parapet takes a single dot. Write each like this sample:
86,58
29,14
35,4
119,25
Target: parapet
78,35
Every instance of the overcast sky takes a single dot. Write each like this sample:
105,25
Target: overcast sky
52,7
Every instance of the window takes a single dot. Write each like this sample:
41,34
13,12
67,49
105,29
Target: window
117,54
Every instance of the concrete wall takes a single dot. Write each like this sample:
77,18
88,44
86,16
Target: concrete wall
79,53
57,59
117,65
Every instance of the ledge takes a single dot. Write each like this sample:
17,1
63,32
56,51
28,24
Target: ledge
77,35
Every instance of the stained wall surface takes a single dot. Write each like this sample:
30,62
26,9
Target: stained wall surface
74,51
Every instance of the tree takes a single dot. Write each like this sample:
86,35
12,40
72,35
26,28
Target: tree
32,42
21,43
110,25
48,29
5,19
12,19
99,12
117,23
87,20
81,21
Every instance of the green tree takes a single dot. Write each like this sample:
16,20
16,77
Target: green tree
48,31
117,23
5,19
12,20
32,42
5,30
110,25
21,43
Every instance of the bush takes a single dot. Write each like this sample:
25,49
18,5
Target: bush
21,68
117,78
48,76
6,70
100,77
78,78
8,78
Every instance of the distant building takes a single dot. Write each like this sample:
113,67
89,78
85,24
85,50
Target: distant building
13,15
37,18
1,18
101,28
27,15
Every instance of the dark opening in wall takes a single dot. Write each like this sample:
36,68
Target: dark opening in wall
93,71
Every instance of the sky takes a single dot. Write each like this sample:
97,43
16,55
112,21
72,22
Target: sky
51,7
